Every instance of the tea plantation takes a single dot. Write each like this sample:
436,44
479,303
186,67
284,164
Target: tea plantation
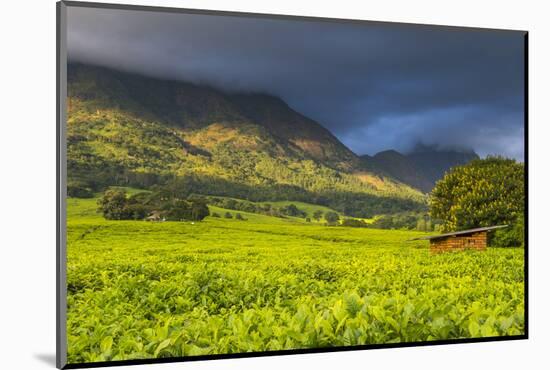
140,290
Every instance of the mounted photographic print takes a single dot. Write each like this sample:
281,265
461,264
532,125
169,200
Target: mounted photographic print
234,184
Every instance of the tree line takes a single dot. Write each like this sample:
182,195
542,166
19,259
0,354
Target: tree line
361,205
116,204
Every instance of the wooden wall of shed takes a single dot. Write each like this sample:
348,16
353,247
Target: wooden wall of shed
476,241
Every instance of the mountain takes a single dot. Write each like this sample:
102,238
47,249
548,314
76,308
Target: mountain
422,167
292,127
193,107
129,129
403,168
434,162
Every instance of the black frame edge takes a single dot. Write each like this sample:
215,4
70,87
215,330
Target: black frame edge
526,180
302,351
61,189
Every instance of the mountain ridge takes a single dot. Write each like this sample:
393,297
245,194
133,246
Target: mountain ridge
421,167
125,128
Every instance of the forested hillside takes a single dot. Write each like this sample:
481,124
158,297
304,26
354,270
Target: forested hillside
127,129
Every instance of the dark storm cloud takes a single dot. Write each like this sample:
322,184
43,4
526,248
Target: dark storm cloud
375,86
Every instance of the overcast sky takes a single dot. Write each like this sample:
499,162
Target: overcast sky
375,86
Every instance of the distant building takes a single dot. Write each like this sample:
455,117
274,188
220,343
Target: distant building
460,240
154,216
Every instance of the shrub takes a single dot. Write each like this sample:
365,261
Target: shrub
137,211
332,218
317,215
215,215
177,210
228,215
77,189
292,210
351,222
199,210
513,236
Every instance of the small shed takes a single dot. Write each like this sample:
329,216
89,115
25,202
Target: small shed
460,240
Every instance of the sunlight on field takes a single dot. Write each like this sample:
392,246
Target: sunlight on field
155,289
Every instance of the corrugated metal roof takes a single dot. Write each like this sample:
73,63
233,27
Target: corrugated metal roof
471,231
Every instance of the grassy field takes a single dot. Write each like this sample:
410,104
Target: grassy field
308,208
141,290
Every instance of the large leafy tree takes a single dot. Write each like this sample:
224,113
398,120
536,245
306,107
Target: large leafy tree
484,192
114,205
